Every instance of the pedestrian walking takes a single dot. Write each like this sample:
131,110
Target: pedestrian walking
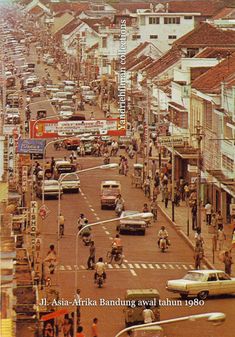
194,217
94,328
198,237
221,237
61,224
228,261
208,211
148,314
91,258
198,255
165,195
153,168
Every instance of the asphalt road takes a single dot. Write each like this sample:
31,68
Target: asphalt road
144,265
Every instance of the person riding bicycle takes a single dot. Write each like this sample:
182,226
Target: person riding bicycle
100,269
119,204
116,245
163,234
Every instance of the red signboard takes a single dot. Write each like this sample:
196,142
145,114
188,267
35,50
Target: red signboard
43,129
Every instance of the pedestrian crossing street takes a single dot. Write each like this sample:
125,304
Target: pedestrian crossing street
135,266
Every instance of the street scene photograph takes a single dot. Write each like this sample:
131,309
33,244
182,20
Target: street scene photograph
117,168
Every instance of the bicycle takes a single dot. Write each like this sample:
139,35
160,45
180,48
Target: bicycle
115,255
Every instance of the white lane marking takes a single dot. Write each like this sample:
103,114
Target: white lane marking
95,214
191,266
170,265
82,267
150,266
104,227
75,267
164,266
61,267
92,209
144,266
97,218
184,267
157,265
177,266
85,197
130,265
110,266
125,261
69,267
110,238
137,265
106,232
123,266
116,266
133,272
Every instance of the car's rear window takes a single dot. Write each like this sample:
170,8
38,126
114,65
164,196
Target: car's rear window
193,276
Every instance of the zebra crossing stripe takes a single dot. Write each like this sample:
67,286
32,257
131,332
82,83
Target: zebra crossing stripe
164,266
157,266
184,266
137,265
144,265
123,266
69,267
82,267
110,266
177,266
130,265
133,272
150,266
117,266
170,265
61,267
191,267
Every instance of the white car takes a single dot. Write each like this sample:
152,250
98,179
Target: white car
202,283
89,96
50,61
51,189
70,182
66,111
132,224
36,92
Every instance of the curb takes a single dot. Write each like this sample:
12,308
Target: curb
184,236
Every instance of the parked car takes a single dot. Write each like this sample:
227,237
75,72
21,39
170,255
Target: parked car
70,182
12,116
202,283
51,189
36,92
133,225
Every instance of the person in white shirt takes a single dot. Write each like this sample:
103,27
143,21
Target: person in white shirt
208,210
100,269
148,315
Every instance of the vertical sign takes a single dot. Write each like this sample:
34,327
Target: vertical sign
11,158
33,225
24,179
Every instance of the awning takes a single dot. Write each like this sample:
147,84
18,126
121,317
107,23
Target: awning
184,152
219,179
177,106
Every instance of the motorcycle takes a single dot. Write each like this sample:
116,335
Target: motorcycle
163,244
100,280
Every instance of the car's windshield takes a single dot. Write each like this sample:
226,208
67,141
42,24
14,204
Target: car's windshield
111,192
193,276
50,183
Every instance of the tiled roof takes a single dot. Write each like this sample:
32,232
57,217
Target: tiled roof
213,52
225,13
95,23
210,81
134,61
68,28
206,35
142,64
95,46
206,7
131,7
137,50
166,61
68,6
36,10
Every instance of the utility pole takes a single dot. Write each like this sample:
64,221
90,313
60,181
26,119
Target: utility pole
198,135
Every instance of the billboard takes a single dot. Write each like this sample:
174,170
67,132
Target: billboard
57,128
31,145
43,129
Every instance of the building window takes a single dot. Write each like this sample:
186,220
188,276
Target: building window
208,114
116,37
154,20
135,37
171,21
104,42
172,37
191,52
188,17
227,163
153,36
228,132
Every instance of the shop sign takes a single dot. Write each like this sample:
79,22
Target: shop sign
24,160
43,129
173,140
31,146
10,129
33,224
24,178
232,209
11,157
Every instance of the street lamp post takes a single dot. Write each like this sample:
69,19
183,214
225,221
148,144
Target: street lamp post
142,215
213,317
199,139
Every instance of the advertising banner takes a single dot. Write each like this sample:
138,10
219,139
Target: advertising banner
31,146
55,128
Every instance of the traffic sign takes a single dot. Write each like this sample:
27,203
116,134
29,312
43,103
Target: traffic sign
43,211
